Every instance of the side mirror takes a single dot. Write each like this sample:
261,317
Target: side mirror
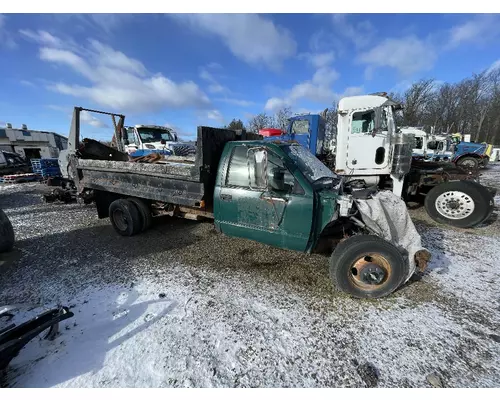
125,137
378,119
175,137
258,160
278,179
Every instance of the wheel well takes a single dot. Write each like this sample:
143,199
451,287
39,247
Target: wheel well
103,201
468,155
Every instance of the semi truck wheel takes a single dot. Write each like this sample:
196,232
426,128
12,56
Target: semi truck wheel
463,204
6,233
468,162
144,211
367,266
125,217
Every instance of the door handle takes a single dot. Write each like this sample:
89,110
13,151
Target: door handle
270,198
226,197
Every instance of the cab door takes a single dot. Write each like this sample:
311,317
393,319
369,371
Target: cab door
250,204
367,148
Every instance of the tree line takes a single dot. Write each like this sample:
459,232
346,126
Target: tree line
470,106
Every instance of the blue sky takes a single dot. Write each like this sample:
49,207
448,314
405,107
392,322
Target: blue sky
205,69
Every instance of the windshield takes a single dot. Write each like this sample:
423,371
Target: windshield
312,168
149,135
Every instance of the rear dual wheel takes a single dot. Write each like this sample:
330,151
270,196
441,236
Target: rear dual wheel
129,216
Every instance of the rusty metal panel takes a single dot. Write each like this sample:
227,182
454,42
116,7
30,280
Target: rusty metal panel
145,186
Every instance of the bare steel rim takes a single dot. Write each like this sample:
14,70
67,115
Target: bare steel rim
370,271
120,219
468,162
455,205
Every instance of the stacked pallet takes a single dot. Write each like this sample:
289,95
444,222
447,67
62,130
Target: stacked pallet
46,167
18,178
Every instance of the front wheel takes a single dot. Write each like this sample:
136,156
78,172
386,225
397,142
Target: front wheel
367,266
468,162
463,204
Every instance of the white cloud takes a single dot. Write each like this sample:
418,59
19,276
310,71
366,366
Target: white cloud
360,33
89,119
408,55
318,60
42,37
119,82
6,39
494,66
479,29
236,102
318,89
214,86
352,91
58,108
215,115
250,37
26,83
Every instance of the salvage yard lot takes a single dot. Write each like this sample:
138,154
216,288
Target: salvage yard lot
181,305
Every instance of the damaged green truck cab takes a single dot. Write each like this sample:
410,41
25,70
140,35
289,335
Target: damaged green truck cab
274,193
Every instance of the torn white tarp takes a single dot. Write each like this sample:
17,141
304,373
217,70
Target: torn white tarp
386,214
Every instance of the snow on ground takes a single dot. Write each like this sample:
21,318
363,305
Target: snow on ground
181,305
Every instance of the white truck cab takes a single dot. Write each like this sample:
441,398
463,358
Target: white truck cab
429,146
368,144
145,139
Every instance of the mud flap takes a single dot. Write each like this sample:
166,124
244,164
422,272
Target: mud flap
386,215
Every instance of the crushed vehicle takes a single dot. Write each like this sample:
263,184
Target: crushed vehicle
370,151
14,337
12,163
276,193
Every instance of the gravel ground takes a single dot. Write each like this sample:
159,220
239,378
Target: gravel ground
181,305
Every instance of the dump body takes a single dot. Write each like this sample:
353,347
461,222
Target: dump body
187,181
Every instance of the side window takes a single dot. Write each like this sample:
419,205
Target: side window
363,121
259,169
432,145
278,176
420,142
132,137
237,174
300,126
440,146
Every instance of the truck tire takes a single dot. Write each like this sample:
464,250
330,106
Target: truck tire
463,204
487,195
7,236
125,217
468,162
144,211
367,266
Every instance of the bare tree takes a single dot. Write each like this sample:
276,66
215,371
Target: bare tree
281,118
259,121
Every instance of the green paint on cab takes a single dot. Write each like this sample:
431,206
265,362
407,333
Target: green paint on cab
275,193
